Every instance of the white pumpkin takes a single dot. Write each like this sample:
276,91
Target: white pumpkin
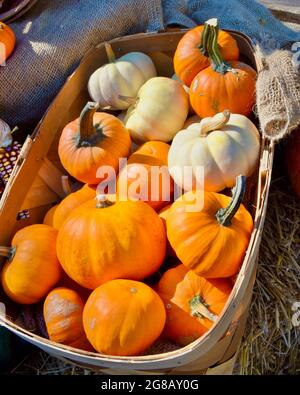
5,134
225,145
120,77
159,112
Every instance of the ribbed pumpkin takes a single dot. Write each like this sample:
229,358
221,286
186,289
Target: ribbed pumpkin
120,77
104,241
63,309
152,152
211,240
223,85
224,146
123,317
191,54
192,303
159,111
92,141
7,42
72,201
32,267
139,181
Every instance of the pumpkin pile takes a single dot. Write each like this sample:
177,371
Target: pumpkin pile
94,259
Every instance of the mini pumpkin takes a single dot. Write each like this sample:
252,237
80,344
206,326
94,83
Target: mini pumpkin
95,139
48,219
32,267
7,42
224,146
191,55
123,317
120,77
149,183
103,241
159,111
153,153
71,202
211,240
63,309
223,85
192,303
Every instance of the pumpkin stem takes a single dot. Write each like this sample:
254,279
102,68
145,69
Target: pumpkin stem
213,49
8,252
216,122
200,309
110,53
225,215
87,129
204,38
103,202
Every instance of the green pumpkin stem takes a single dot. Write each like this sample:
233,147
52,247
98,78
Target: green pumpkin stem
8,252
87,129
110,53
225,215
200,309
213,49
204,38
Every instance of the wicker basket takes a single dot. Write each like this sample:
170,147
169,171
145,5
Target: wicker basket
36,184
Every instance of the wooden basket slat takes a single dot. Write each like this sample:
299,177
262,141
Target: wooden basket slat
39,159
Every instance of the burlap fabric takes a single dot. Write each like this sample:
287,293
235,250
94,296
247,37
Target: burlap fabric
54,35
278,95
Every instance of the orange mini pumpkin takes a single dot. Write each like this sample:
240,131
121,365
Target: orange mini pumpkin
105,240
72,201
223,85
7,42
211,241
123,317
163,216
191,55
63,309
95,139
48,219
140,181
192,303
32,267
151,153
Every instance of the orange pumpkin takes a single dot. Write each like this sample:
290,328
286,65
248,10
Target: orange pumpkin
72,201
7,42
191,54
140,181
104,241
213,240
123,317
95,139
223,85
152,153
32,267
63,309
192,303
163,216
48,219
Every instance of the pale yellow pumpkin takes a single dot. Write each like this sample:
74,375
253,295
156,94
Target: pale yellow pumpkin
159,112
225,145
120,77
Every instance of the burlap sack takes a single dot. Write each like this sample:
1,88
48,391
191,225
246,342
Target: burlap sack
54,35
278,95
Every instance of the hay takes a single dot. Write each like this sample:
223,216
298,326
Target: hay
271,345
